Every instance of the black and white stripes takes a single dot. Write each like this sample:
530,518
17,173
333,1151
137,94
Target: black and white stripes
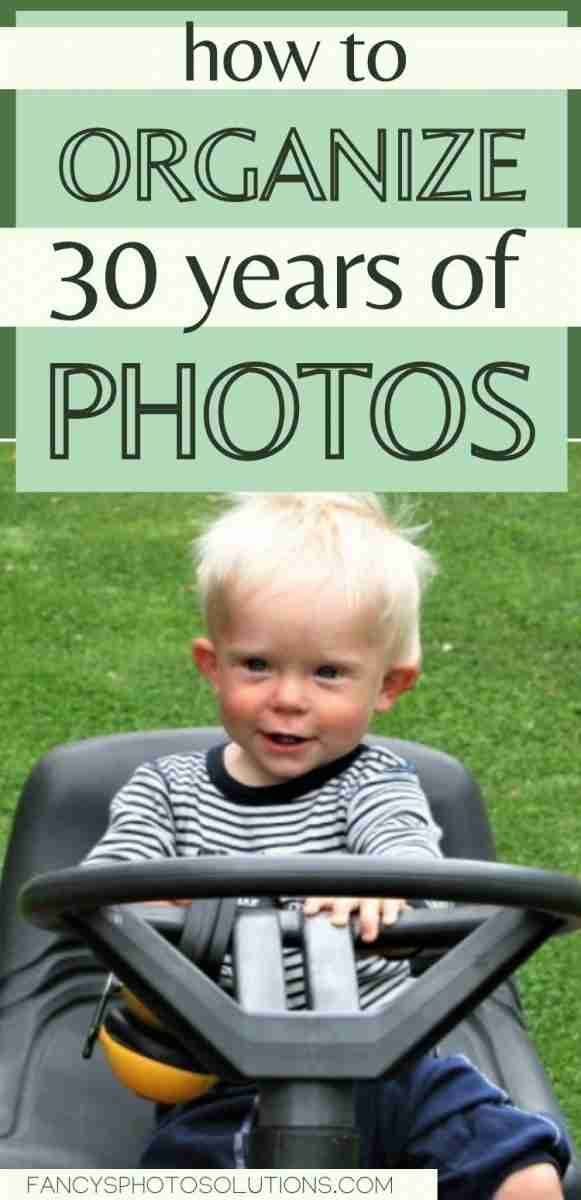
369,802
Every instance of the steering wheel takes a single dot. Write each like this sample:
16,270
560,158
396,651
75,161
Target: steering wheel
238,1040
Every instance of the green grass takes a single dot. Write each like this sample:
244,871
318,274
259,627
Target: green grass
99,614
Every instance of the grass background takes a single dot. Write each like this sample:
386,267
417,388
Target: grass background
98,615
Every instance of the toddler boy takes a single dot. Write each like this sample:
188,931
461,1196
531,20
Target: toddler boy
312,608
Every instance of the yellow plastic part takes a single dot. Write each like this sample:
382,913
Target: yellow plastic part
150,1079
139,1009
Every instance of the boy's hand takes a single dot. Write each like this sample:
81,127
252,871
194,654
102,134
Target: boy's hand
372,912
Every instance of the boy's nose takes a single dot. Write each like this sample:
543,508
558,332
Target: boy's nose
289,694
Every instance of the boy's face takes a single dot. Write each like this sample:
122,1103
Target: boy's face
297,679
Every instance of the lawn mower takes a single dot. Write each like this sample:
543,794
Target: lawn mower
74,925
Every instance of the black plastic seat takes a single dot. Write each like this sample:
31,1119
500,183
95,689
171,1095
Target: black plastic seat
58,1111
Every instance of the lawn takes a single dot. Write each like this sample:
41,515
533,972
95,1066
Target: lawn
99,612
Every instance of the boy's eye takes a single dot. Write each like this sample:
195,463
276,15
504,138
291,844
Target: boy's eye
328,671
255,664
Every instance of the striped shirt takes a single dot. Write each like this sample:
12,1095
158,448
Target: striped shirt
367,802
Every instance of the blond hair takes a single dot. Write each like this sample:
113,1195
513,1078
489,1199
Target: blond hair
339,540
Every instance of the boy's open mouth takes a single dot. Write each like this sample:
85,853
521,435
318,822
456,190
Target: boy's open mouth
285,739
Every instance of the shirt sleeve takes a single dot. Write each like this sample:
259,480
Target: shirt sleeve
141,824
390,815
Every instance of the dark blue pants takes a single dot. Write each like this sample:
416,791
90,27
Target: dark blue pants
437,1112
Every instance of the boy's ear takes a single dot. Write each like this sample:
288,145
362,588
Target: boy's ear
395,681
204,656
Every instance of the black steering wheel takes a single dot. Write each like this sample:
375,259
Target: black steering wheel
238,1040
